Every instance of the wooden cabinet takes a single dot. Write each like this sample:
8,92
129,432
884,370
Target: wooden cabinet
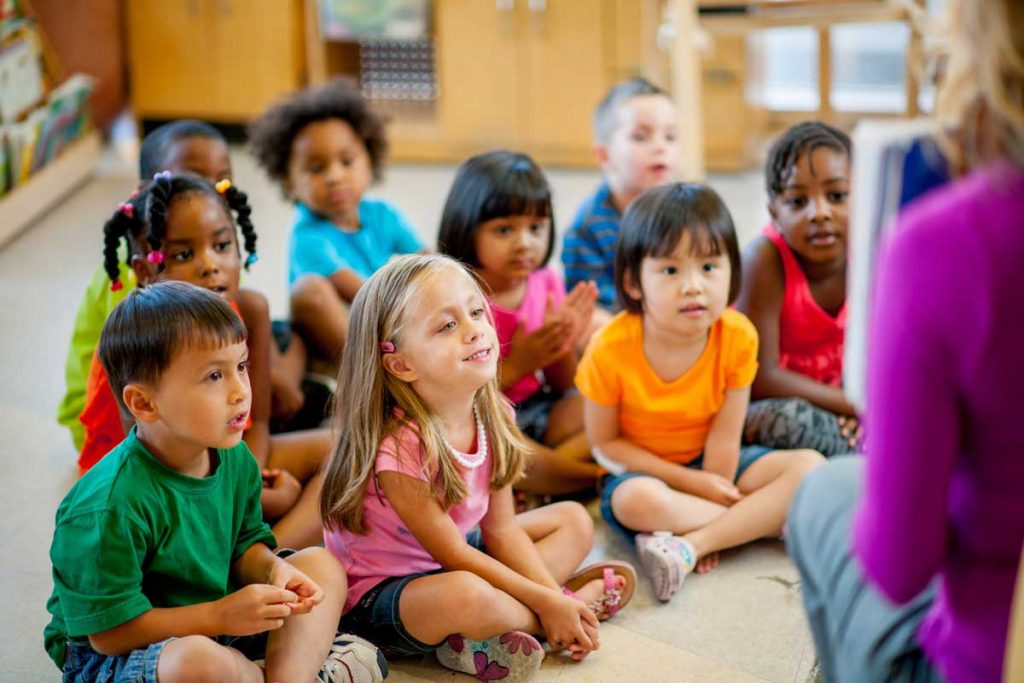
523,74
221,60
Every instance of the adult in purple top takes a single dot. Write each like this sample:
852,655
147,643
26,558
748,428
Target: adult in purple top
909,556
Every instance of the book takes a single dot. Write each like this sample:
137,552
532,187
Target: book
895,163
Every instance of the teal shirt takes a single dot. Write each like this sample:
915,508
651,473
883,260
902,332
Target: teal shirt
133,534
320,247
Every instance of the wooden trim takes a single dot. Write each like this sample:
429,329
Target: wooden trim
686,87
43,190
316,49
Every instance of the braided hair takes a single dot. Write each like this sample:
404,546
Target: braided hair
803,138
144,216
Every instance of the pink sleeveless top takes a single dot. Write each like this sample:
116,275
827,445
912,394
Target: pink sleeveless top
810,340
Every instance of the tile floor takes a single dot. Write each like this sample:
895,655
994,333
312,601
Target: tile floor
742,622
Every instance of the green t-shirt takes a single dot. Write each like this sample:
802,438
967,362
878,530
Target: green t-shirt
97,303
133,534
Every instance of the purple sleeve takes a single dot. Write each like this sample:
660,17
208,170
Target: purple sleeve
925,293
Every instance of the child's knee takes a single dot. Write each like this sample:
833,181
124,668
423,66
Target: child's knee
639,497
803,460
309,293
321,566
577,520
196,659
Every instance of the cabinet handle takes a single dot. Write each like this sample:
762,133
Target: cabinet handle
504,5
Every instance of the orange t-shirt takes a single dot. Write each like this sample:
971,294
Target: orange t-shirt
669,419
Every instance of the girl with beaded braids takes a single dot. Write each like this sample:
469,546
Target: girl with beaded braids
180,146
182,228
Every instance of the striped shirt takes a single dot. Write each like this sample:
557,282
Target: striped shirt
588,250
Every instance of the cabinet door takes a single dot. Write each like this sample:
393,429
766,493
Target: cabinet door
169,57
476,63
564,53
256,58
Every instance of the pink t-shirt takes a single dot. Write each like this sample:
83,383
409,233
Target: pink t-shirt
389,549
539,285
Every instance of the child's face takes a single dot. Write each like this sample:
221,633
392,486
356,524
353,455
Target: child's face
201,245
203,156
329,170
685,292
447,341
812,211
512,247
202,399
643,151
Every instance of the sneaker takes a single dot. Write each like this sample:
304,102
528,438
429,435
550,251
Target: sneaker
512,657
353,660
666,560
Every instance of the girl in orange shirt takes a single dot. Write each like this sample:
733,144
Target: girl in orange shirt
667,384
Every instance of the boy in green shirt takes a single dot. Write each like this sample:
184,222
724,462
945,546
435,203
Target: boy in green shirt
162,564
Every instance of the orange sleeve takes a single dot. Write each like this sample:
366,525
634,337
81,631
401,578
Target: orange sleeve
741,346
597,375
101,418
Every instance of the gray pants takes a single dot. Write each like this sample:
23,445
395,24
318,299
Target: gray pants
787,423
858,634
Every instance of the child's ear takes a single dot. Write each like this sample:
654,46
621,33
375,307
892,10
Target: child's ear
773,212
145,272
139,401
601,153
396,364
632,288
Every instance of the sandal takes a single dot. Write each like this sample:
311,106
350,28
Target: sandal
614,597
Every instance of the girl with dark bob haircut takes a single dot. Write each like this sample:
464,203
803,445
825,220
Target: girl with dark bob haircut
658,219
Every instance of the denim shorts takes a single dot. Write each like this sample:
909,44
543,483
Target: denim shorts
82,663
748,456
534,412
376,617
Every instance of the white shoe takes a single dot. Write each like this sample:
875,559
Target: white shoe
352,659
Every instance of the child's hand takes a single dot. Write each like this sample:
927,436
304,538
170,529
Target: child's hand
531,351
578,309
851,429
280,491
286,397
254,609
287,576
569,625
714,487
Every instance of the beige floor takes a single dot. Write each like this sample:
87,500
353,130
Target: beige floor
742,622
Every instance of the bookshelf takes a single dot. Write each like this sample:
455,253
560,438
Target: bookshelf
41,170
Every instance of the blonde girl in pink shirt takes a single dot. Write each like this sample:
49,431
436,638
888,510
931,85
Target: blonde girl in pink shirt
417,499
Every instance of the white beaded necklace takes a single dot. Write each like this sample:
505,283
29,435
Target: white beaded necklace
465,459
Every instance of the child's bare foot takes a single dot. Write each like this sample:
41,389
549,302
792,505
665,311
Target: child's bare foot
707,563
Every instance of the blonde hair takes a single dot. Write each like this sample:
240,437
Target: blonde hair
364,409
981,102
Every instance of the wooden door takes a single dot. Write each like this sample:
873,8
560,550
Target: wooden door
168,50
257,55
476,64
566,55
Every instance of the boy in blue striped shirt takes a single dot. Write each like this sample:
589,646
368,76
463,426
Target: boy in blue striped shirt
635,138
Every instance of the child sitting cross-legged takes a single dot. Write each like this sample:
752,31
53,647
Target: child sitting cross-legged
417,499
667,384
180,582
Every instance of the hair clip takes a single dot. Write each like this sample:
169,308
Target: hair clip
223,185
116,286
126,209
156,257
251,259
162,175
387,347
